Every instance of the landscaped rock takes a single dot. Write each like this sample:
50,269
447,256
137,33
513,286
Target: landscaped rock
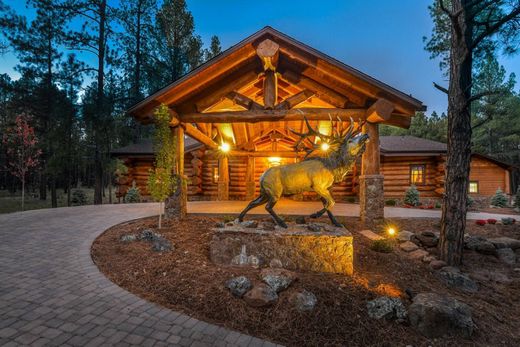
254,261
249,224
506,255
128,238
304,300
434,316
278,279
492,276
429,258
505,242
418,254
261,295
160,244
147,235
275,263
452,277
300,220
437,264
408,246
404,235
428,239
268,226
238,286
479,244
220,225
314,227
386,307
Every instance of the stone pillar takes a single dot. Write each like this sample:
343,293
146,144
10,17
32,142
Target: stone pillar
250,178
223,179
371,189
176,205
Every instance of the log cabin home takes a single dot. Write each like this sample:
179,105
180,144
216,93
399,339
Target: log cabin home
405,160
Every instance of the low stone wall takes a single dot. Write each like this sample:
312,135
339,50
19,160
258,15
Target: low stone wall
295,248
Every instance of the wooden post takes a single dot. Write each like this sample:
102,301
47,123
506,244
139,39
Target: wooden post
270,89
223,179
176,205
250,178
371,189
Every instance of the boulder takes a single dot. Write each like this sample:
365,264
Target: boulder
278,279
386,307
249,224
300,220
452,277
160,244
418,254
506,255
404,235
479,244
128,238
437,264
238,286
408,246
429,258
491,276
435,315
304,300
505,242
261,295
428,239
220,225
148,235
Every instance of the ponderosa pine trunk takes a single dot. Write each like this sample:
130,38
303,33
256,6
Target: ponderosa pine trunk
454,208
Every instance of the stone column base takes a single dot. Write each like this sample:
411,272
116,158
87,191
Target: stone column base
175,205
223,191
250,190
371,199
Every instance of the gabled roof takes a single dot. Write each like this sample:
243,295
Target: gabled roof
410,144
240,63
145,148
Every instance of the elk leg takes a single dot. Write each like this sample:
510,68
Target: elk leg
256,202
320,212
269,207
328,202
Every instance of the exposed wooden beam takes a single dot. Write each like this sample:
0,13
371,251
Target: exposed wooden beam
275,115
294,100
380,111
270,89
174,118
199,136
268,51
323,92
238,153
243,101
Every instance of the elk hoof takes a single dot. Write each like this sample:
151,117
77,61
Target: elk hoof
314,215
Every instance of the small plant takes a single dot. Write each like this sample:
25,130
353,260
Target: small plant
133,195
492,221
481,222
382,246
411,196
228,219
438,204
470,201
78,198
508,221
390,202
499,199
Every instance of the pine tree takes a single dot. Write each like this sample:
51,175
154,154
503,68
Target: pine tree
517,199
499,199
214,48
411,196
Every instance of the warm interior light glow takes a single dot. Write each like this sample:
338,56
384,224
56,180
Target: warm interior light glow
225,147
391,231
274,161
325,146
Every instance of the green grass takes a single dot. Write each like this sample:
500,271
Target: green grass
13,203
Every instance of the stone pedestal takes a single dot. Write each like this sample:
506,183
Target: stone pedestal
250,190
371,199
175,205
222,190
295,248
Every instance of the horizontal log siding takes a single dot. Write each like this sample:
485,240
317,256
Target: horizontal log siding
489,175
396,172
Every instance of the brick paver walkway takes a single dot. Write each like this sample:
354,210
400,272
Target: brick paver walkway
51,293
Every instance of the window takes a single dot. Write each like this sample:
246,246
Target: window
473,187
215,175
417,174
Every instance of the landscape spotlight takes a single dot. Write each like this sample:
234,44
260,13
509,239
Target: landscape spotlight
391,231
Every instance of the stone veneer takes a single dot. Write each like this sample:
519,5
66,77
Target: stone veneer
371,199
294,248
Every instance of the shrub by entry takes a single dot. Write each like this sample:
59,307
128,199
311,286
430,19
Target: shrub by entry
411,196
499,199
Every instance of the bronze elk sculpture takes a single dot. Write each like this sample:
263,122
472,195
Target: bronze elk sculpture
314,173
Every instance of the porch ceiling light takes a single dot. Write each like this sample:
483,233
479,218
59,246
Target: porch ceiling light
225,147
325,146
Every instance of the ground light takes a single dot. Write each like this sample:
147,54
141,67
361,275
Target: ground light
391,231
225,147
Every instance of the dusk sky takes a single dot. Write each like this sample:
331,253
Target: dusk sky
381,38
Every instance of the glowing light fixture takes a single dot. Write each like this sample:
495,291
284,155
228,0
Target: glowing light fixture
391,231
225,147
274,161
325,146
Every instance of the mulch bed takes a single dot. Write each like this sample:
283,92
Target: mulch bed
185,280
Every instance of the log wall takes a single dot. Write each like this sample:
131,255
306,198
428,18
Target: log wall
489,175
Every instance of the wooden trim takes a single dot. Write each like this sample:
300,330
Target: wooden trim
380,111
294,100
199,136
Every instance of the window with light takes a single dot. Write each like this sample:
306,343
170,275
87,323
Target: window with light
473,187
417,174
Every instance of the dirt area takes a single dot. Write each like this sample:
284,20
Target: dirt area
185,280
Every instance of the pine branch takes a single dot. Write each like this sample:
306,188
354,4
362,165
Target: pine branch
491,29
441,88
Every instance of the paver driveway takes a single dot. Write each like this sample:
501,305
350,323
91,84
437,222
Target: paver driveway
51,293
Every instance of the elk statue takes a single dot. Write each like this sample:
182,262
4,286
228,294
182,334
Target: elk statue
314,173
